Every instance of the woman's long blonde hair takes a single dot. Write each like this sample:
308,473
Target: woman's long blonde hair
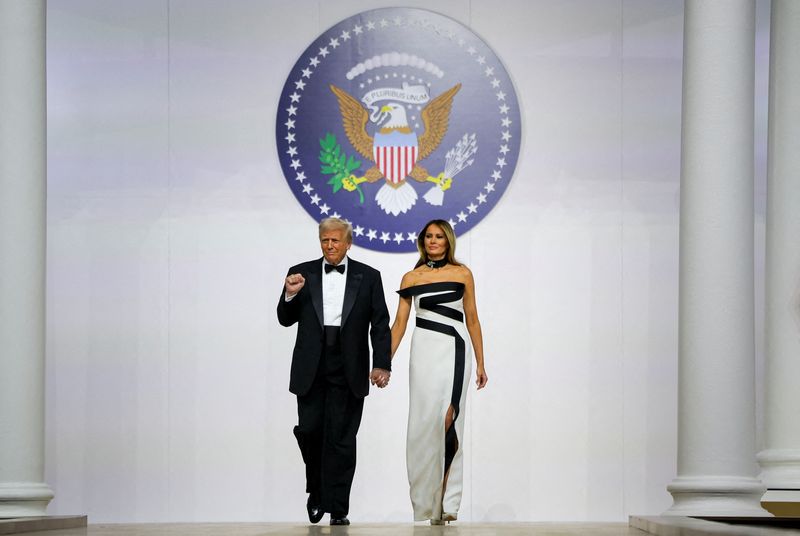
451,243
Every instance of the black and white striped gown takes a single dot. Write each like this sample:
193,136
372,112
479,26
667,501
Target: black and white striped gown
439,373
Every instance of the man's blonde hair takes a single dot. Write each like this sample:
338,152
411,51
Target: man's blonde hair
329,224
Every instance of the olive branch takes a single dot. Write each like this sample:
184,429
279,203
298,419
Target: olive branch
335,162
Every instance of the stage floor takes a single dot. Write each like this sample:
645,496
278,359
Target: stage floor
356,529
660,526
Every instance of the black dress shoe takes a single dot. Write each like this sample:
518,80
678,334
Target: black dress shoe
339,520
315,512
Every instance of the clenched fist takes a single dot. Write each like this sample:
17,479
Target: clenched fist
293,284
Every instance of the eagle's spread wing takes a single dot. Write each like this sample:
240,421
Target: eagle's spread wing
354,121
436,116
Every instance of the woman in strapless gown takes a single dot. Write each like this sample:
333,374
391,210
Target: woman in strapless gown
446,337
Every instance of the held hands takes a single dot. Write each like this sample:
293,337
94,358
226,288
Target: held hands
379,377
293,284
482,379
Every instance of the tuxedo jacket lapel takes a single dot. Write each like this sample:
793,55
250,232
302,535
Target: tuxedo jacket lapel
354,277
314,281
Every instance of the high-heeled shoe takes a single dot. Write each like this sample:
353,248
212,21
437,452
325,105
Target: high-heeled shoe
437,521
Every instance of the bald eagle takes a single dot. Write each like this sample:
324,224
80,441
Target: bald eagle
396,150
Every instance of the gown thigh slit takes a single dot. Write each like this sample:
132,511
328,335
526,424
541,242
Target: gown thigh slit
439,371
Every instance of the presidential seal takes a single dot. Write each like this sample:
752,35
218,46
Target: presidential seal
394,117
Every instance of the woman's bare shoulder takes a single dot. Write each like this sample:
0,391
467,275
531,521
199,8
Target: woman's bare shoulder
462,272
410,278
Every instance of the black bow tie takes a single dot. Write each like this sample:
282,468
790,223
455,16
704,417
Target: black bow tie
330,267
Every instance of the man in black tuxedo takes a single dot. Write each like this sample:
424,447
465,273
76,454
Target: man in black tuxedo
336,302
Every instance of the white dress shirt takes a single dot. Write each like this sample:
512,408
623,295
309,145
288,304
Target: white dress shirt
333,285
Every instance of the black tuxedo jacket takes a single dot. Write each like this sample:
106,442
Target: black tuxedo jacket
364,314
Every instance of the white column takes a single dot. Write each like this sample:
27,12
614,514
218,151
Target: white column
22,258
780,461
716,412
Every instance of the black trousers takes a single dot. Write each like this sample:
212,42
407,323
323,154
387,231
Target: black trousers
329,416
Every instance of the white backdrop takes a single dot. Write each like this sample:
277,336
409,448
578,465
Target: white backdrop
171,228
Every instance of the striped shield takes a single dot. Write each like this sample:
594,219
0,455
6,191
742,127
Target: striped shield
395,162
